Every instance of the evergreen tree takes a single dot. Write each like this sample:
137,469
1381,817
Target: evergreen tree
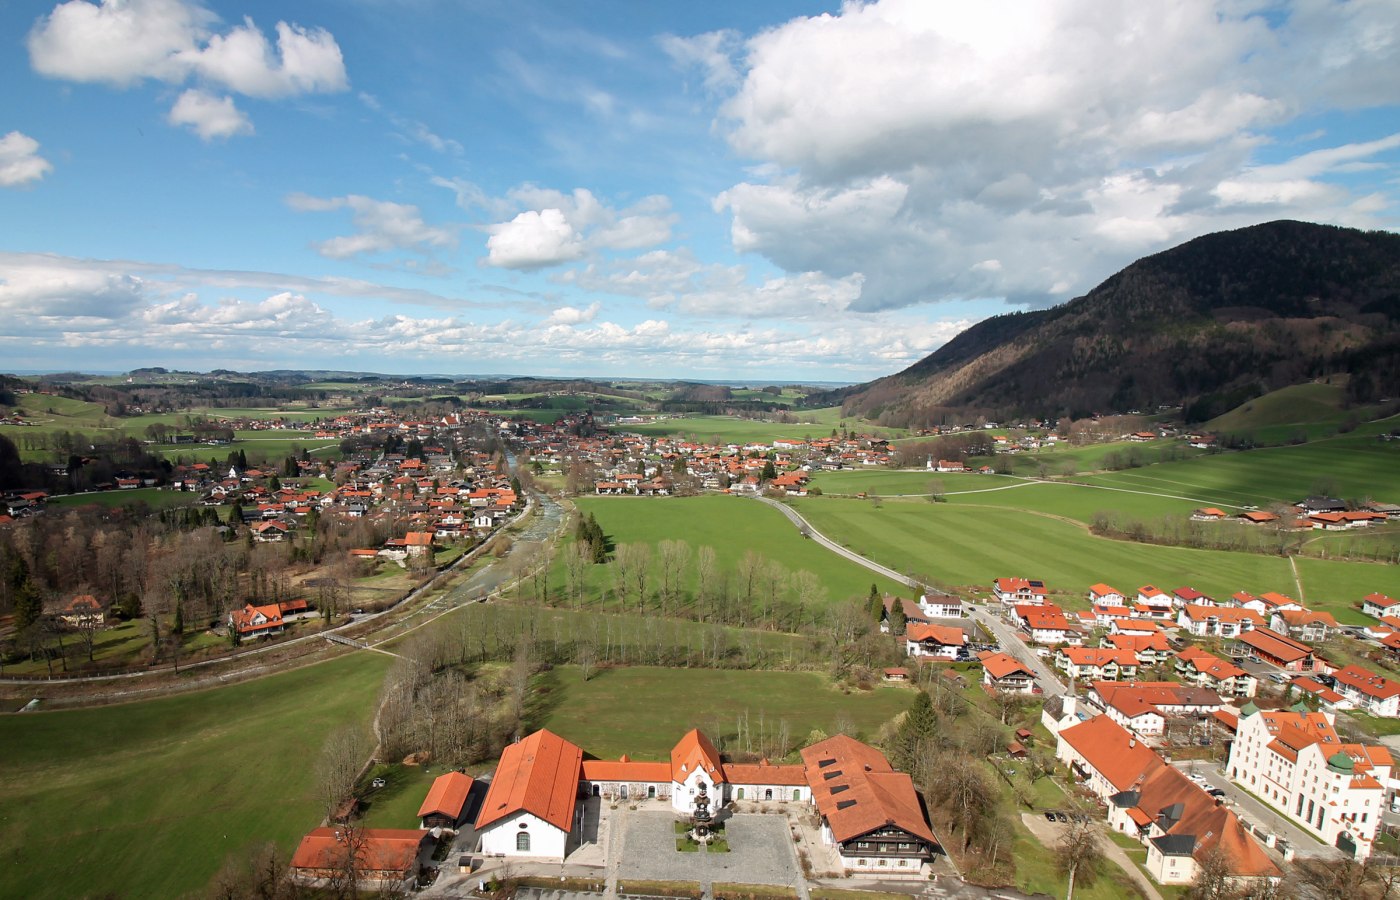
877,605
29,605
274,484
769,471
179,627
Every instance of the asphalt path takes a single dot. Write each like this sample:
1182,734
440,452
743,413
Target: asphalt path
1011,643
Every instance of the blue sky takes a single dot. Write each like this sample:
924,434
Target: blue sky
715,190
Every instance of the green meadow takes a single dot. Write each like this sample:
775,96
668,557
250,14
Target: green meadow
147,799
967,545
894,482
603,715
812,424
732,526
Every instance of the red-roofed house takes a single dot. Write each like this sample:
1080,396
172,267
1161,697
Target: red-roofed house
530,808
1001,672
1046,624
1105,595
1019,590
382,857
1279,650
446,803
1376,694
934,641
254,621
1378,605
1196,666
1217,621
870,813
1096,663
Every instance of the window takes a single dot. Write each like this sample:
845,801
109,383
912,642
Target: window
522,842
739,794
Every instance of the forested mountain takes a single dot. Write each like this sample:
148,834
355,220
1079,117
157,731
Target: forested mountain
1207,324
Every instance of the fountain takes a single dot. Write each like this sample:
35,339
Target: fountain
700,831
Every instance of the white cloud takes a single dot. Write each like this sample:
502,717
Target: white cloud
306,61
534,240
556,227
116,42
50,288
124,42
382,226
900,140
573,315
20,162
209,116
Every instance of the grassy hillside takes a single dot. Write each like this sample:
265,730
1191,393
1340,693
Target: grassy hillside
147,799
1308,411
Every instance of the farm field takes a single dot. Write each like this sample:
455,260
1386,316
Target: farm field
1311,410
732,526
642,711
1065,460
966,545
1075,501
153,497
186,779
1353,465
892,482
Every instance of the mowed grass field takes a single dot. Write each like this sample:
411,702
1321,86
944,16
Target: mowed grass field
147,799
732,526
643,711
967,545
1354,466
894,482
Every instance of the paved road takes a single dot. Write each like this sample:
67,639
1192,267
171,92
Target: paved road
1010,643
1256,812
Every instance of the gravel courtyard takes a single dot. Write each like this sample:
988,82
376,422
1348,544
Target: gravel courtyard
760,851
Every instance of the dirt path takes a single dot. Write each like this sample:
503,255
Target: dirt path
1048,833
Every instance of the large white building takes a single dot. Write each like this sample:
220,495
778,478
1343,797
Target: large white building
1297,763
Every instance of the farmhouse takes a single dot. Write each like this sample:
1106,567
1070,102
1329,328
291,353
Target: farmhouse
380,857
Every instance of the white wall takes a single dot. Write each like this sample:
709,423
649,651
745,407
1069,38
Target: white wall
545,839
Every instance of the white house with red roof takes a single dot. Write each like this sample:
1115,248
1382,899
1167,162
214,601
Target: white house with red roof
923,639
1379,605
1217,621
1371,692
1204,669
1154,597
1020,591
531,807
1106,595
1096,663
1001,672
255,621
1046,624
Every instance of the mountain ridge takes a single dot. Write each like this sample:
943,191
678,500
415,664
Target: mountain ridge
1219,318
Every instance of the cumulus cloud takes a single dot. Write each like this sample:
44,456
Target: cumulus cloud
572,315
208,116
52,289
124,42
904,140
534,240
20,162
381,226
556,227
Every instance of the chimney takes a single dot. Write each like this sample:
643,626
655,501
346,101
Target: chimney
1132,742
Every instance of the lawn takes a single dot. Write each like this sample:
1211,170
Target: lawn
968,545
147,799
893,482
155,498
643,711
732,526
1352,466
396,804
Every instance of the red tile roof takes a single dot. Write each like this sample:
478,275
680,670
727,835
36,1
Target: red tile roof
1112,751
764,772
539,775
857,791
947,635
693,751
387,850
447,796
626,770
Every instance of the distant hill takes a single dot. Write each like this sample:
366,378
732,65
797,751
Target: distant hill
1207,325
